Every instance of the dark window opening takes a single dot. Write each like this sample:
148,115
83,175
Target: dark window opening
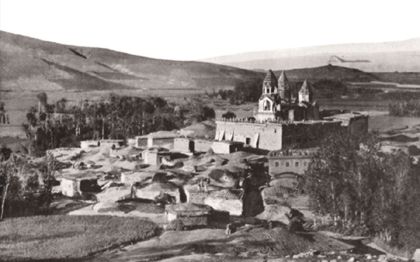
248,141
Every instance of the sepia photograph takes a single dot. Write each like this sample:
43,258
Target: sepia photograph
210,130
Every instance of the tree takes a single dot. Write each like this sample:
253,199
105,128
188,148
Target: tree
42,101
5,153
10,170
229,115
357,184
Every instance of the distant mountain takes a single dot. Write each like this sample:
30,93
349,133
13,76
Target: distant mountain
329,72
31,64
402,56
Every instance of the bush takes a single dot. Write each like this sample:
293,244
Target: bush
229,115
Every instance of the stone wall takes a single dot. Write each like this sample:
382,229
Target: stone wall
258,135
88,144
225,147
308,133
183,145
166,142
356,123
275,135
201,145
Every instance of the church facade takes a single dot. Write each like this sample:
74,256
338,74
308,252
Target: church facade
278,100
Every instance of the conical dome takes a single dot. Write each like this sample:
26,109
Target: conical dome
283,81
305,93
269,83
284,87
305,87
270,78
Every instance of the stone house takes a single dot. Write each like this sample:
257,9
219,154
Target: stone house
202,145
191,215
184,145
226,147
76,185
196,215
356,123
157,139
155,156
285,167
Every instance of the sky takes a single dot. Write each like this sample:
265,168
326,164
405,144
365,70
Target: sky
198,29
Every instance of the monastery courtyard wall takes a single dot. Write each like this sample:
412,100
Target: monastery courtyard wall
273,135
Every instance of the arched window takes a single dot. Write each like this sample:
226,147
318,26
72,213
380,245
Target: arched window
267,105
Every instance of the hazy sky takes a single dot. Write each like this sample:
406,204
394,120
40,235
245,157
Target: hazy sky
194,29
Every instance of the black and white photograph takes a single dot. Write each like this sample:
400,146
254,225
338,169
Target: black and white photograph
210,130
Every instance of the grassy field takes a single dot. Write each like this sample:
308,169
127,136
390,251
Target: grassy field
68,237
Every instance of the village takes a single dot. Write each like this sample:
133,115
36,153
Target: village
209,131
199,178
225,178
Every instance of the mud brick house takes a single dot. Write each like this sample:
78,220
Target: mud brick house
77,184
191,215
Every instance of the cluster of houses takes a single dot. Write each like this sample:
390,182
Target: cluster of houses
282,120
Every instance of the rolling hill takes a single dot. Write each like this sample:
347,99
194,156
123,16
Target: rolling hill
29,64
329,72
402,56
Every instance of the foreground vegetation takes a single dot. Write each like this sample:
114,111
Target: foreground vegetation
366,191
25,186
59,237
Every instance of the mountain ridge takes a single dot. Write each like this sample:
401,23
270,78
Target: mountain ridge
384,57
32,64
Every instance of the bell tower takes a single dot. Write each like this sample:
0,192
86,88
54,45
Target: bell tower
269,84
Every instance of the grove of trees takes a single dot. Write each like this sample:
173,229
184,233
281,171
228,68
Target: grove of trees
365,190
117,117
405,108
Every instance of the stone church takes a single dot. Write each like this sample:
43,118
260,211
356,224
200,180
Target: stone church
286,117
279,101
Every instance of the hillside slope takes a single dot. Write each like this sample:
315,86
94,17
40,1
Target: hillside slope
32,64
329,72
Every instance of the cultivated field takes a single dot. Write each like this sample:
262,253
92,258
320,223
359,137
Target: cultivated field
68,237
